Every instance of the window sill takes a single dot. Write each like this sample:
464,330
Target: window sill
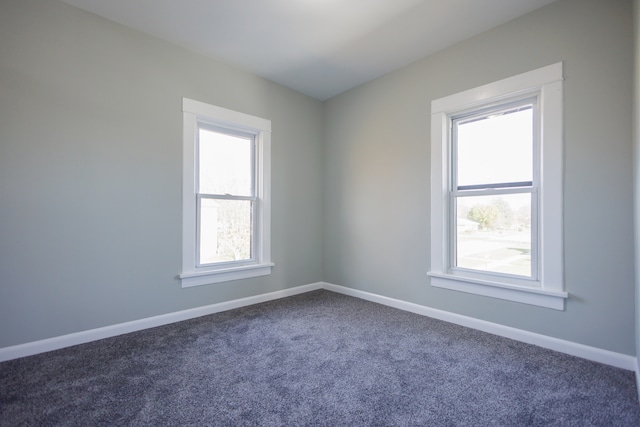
522,294
207,277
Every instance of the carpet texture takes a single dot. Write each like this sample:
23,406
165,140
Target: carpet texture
319,358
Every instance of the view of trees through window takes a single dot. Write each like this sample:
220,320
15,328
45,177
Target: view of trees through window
494,233
225,231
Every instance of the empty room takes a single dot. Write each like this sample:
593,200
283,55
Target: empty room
319,212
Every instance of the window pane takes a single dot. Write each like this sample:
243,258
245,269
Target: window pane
493,233
497,148
224,163
225,230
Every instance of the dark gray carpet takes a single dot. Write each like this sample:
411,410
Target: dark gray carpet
315,359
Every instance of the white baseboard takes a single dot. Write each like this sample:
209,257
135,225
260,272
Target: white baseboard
586,352
36,347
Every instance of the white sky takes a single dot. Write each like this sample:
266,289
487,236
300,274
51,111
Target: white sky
225,164
497,149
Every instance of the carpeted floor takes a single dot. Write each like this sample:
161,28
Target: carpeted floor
319,358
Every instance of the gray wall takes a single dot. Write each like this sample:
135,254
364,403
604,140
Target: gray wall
90,172
377,171
636,165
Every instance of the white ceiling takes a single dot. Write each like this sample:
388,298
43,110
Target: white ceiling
317,47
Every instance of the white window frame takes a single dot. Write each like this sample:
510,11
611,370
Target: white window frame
496,189
196,113
547,288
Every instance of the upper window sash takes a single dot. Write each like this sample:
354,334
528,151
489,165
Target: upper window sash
250,136
479,115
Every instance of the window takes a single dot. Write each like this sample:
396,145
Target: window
226,215
496,190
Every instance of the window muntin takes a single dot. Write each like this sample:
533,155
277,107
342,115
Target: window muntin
493,215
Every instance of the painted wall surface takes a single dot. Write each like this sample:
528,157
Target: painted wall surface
377,173
90,172
636,164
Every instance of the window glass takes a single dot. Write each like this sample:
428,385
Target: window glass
495,148
225,230
493,233
225,163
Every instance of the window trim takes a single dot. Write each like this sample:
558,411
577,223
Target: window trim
546,84
195,113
